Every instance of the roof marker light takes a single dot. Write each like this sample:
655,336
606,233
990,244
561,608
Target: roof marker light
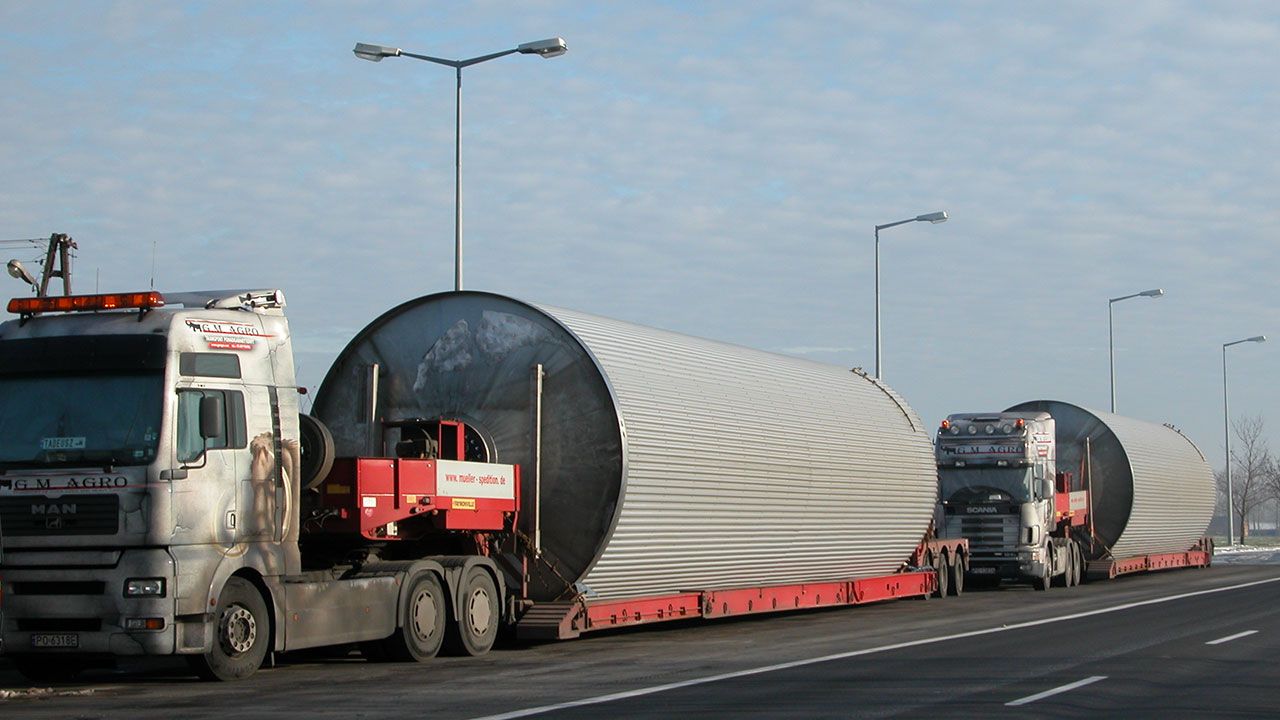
86,303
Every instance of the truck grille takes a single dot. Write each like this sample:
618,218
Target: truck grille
59,587
987,534
59,624
74,515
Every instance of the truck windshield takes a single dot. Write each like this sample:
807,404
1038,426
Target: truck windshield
1014,482
66,420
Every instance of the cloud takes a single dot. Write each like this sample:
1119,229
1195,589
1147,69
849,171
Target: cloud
712,169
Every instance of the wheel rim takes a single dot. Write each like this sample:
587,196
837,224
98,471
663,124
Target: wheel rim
238,630
478,612
424,615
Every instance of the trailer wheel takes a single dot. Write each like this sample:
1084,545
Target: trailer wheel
421,629
941,569
242,633
475,627
957,576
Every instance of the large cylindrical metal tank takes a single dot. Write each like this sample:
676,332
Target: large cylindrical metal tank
1152,490
668,462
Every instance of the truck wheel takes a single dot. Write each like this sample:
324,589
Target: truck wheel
421,629
48,668
1064,578
941,570
242,633
957,576
478,616
1045,581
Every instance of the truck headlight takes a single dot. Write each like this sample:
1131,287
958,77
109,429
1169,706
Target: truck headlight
144,587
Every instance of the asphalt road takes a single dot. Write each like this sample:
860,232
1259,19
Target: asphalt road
1136,647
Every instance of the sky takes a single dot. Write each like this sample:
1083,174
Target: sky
712,168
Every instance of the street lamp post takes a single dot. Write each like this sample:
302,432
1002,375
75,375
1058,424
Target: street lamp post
1111,343
935,218
1226,435
549,48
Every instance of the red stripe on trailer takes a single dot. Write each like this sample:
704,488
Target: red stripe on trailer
640,611
551,621
1149,563
892,587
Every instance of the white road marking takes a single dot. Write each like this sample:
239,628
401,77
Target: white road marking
1229,638
655,689
1060,689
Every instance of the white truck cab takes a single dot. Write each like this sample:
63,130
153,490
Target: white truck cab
998,486
147,454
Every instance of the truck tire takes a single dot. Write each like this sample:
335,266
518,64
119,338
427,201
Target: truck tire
957,575
1063,579
315,449
241,634
943,572
422,628
1044,582
49,668
475,626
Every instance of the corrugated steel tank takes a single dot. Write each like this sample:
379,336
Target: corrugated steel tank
1153,492
668,462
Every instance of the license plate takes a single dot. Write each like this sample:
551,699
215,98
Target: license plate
55,640
982,571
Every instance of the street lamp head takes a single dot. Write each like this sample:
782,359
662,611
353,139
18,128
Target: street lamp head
19,272
933,217
549,48
1152,293
1257,338
374,53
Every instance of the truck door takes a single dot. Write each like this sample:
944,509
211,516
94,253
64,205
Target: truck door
206,506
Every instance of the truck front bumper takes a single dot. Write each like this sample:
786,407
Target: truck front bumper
52,609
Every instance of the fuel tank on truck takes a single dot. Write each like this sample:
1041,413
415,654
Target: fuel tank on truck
1152,490
668,462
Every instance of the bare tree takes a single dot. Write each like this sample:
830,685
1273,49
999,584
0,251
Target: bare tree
1253,471
1272,485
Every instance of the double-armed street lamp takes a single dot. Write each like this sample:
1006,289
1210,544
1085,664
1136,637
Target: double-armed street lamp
1111,343
935,218
549,48
1226,431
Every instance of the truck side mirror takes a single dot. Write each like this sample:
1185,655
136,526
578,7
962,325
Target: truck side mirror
1046,487
211,417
